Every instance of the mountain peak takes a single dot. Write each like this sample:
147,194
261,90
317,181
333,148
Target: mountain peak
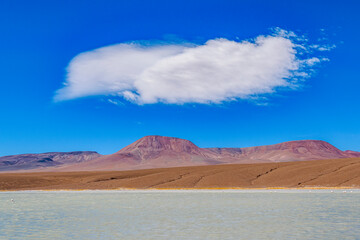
162,143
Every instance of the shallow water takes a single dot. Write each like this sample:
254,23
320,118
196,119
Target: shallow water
230,214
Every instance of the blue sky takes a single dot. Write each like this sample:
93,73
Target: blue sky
39,39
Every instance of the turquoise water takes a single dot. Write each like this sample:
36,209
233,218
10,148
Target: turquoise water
230,214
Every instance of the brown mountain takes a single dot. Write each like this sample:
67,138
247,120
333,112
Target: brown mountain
159,152
44,160
287,152
151,152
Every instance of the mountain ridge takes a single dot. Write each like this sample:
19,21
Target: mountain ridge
156,151
30,161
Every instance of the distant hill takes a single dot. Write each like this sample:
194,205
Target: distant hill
44,160
163,152
287,152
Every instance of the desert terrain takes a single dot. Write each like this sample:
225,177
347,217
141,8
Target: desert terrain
301,174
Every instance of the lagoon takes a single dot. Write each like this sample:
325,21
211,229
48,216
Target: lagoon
181,214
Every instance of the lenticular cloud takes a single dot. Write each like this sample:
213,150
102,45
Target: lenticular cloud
217,71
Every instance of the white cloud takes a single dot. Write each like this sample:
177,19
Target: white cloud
217,71
324,47
114,101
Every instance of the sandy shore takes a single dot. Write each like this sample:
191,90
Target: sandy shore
335,173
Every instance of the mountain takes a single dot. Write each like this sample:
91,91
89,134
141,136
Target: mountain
160,152
151,152
287,152
44,160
